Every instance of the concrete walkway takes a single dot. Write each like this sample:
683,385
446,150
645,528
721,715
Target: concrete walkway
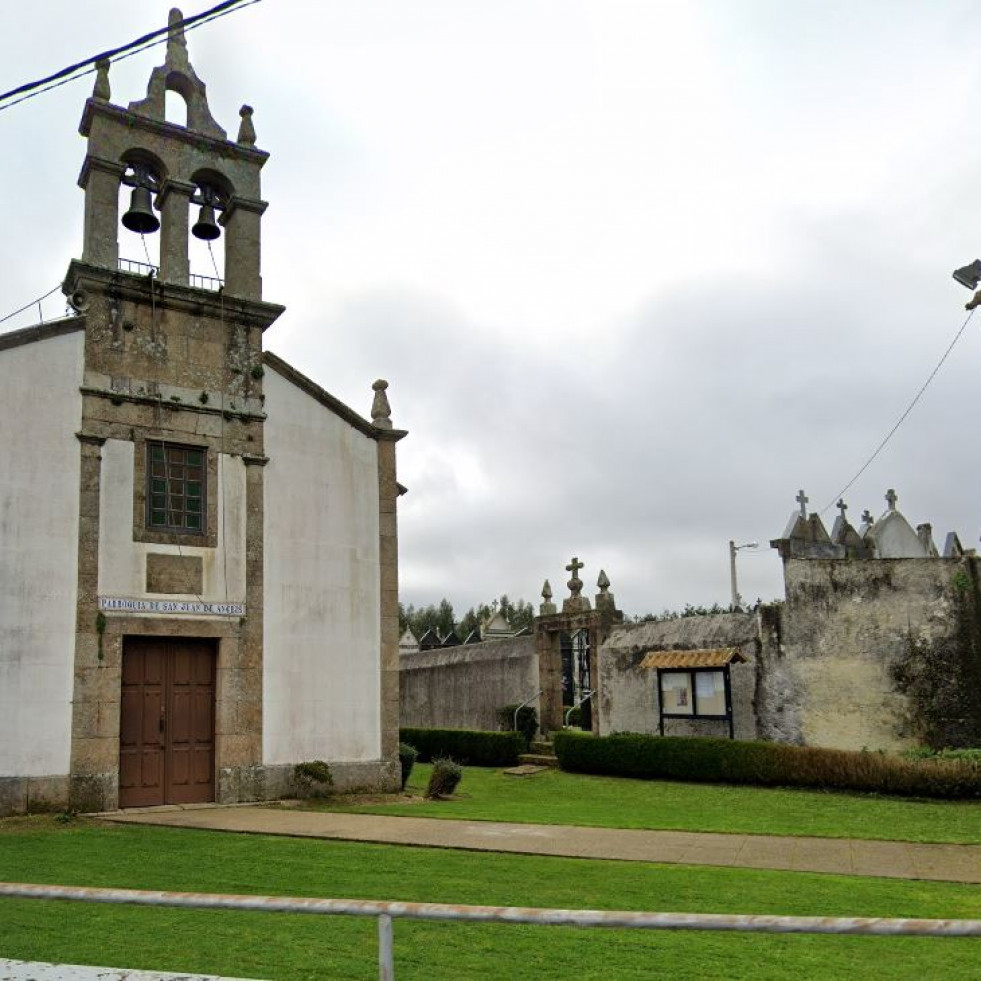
892,859
41,971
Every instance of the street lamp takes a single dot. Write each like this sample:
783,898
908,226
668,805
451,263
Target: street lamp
733,548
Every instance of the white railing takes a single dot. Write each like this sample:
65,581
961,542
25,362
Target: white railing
385,911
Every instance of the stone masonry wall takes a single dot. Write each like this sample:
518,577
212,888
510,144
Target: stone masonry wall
628,693
464,687
826,654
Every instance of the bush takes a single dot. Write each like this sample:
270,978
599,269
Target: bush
575,717
313,778
706,760
444,779
527,720
469,747
407,760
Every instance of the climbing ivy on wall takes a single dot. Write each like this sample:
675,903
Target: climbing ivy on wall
942,677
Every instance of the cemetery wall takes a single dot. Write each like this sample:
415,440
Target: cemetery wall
628,692
826,655
464,687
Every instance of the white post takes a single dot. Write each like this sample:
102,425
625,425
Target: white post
732,573
386,966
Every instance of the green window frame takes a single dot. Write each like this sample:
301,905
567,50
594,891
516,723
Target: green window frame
176,488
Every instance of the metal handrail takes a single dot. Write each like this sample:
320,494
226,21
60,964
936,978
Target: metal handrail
585,698
140,268
206,282
386,910
523,704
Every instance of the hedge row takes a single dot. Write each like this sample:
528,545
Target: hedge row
467,746
706,760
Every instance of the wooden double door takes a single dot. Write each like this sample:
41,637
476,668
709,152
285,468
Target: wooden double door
167,722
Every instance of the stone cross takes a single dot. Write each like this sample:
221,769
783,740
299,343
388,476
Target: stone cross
802,500
891,498
575,583
842,507
866,517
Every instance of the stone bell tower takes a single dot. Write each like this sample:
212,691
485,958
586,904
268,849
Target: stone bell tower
171,436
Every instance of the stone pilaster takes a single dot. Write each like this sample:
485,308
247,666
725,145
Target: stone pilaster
241,219
95,700
174,201
388,492
100,181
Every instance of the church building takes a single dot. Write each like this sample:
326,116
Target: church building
198,545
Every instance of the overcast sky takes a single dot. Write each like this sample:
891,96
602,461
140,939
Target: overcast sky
636,272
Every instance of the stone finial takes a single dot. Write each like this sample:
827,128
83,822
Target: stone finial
176,74
176,42
802,500
547,608
381,411
246,131
101,90
604,598
576,602
891,498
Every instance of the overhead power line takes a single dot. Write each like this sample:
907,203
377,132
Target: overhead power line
902,418
27,306
31,89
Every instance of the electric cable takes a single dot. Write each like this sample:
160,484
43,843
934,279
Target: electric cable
27,306
902,418
81,69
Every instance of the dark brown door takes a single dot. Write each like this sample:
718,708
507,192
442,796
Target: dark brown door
167,722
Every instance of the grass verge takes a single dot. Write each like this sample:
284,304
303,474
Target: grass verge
555,797
298,947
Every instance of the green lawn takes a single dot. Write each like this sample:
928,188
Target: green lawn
293,947
555,797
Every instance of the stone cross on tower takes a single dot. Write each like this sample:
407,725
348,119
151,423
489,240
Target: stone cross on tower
575,583
802,500
891,498
842,507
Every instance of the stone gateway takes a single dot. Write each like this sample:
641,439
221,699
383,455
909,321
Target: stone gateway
199,562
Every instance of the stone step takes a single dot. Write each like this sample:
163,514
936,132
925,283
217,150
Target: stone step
537,759
542,746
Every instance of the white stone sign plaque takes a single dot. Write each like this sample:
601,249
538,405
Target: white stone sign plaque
116,604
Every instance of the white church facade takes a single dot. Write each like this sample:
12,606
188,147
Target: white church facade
198,544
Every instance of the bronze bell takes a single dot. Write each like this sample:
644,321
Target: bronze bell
206,227
140,217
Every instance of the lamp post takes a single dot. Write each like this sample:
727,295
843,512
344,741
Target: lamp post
733,548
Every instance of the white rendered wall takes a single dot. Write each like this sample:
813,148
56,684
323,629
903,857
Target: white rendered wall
122,562
322,634
40,412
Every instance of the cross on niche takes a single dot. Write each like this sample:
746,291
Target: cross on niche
842,507
802,500
891,498
866,517
575,583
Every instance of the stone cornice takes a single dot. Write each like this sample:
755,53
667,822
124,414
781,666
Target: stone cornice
133,120
189,299
206,410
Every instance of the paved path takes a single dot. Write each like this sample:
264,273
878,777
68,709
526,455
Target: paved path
39,971
892,859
